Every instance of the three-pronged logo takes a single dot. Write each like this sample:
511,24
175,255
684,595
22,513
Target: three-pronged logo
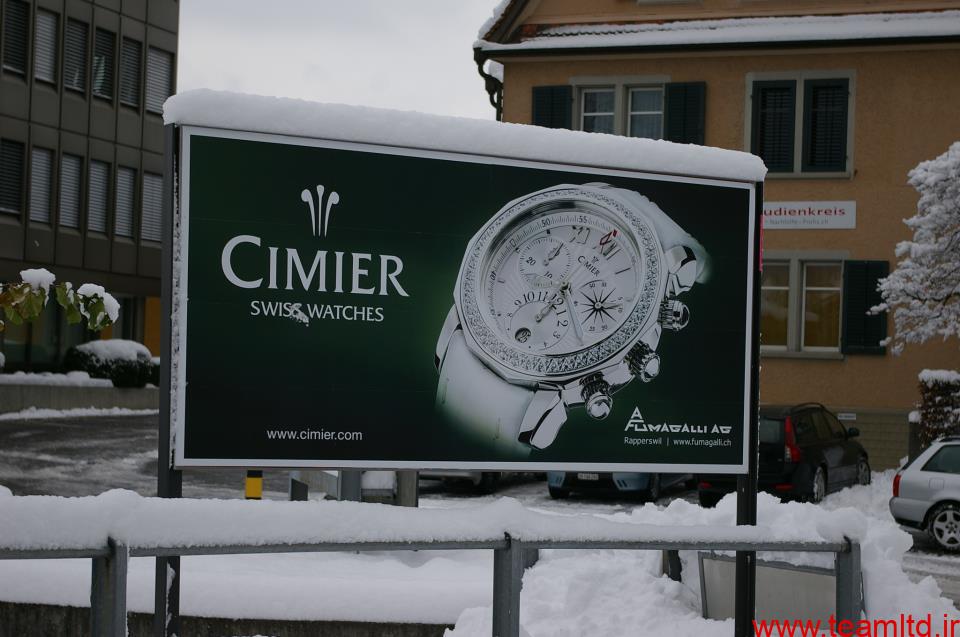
319,213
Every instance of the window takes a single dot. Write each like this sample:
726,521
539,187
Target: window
800,124
41,179
126,183
130,64
97,186
75,56
11,176
71,173
152,204
837,429
947,460
159,79
821,306
598,110
646,112
774,304
16,20
45,47
103,56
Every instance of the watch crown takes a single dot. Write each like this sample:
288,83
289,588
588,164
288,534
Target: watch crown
596,397
674,315
644,362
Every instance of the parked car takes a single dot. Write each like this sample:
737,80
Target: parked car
926,493
649,485
482,481
805,452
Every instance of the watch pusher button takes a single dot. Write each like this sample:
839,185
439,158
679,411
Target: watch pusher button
674,315
596,397
644,362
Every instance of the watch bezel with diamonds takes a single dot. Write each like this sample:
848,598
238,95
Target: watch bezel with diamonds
525,367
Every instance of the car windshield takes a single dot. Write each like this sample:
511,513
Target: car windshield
771,431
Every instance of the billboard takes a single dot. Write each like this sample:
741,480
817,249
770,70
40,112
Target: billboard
358,306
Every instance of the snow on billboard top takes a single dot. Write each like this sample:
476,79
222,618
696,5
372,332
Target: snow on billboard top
740,31
364,124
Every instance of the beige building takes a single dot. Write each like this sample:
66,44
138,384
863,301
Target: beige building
840,99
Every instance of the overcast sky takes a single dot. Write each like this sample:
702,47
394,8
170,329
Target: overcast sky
407,54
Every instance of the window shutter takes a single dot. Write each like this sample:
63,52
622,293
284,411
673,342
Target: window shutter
16,19
130,63
152,207
126,184
75,56
45,47
41,178
71,169
159,78
825,104
97,196
103,58
684,111
11,176
773,123
862,333
553,106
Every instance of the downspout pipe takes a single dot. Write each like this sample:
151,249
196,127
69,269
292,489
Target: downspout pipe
493,85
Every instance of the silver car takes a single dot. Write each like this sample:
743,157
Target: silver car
926,493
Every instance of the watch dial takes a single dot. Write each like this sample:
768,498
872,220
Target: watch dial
561,281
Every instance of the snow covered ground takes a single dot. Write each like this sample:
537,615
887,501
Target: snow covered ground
567,594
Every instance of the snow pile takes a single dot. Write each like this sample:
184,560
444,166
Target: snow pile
70,379
110,304
114,349
38,279
362,124
33,413
740,30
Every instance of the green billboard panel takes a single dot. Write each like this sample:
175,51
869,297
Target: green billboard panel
357,306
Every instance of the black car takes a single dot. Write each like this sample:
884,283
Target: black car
805,453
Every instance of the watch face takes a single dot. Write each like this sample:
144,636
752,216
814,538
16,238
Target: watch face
561,281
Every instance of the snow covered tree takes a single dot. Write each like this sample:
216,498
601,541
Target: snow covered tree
23,302
923,292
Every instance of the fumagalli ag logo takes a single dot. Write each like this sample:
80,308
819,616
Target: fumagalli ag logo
667,434
324,271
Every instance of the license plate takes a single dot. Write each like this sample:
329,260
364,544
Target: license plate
588,476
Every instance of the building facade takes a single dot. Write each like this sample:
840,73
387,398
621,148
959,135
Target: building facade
82,86
840,99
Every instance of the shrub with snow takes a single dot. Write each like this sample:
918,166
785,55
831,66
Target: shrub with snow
126,363
939,411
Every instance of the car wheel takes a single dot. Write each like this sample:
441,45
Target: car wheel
709,500
944,526
488,482
819,485
863,472
559,494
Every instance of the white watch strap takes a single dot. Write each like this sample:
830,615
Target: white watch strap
481,403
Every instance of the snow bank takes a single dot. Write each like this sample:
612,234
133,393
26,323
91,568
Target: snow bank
739,30
116,349
39,278
285,116
33,413
71,379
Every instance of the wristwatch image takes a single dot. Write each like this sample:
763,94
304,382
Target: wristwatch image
560,301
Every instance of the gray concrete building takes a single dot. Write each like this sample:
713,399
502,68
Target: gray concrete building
82,85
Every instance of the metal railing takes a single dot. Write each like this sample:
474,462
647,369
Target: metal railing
108,591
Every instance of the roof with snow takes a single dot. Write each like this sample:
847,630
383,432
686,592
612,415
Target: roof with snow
367,125
738,32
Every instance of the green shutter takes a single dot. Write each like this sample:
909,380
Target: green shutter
825,104
773,123
553,106
862,333
684,111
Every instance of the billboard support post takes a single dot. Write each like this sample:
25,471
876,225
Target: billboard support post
166,619
746,573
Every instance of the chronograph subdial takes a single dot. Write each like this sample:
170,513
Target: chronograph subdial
538,325
543,261
600,306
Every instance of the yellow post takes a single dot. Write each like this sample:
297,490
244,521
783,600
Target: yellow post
253,486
